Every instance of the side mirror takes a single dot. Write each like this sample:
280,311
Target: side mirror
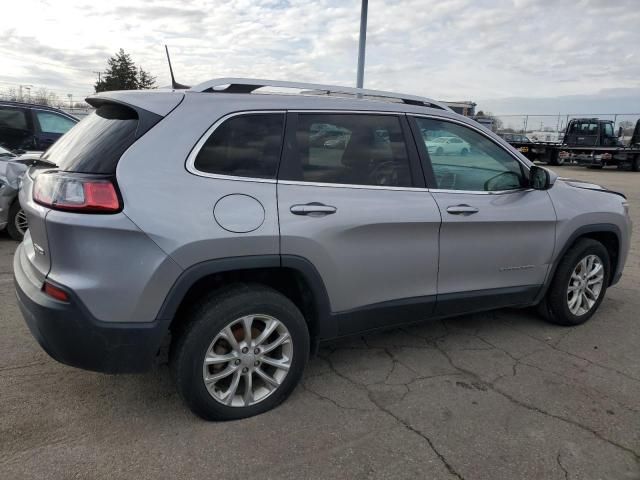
539,178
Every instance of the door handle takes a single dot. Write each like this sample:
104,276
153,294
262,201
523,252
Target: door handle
462,210
313,209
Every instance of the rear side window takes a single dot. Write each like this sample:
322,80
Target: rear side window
54,123
353,149
96,143
13,118
244,146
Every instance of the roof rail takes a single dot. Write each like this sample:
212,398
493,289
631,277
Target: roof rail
248,85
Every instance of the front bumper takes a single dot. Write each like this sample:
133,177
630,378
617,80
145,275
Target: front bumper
69,333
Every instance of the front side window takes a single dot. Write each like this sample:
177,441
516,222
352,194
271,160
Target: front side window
244,146
468,160
54,123
608,130
352,149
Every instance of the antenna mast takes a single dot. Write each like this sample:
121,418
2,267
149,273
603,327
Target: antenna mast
175,85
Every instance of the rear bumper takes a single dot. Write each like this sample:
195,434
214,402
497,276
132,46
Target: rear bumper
70,334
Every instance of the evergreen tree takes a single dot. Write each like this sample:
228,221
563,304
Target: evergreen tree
145,80
122,74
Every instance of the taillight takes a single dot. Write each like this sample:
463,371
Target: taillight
76,192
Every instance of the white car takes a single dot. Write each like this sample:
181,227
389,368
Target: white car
447,145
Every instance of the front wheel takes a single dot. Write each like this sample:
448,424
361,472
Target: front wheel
579,284
242,353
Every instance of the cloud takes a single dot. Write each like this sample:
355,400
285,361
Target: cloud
454,49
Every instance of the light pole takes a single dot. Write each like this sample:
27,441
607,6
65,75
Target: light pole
362,43
70,95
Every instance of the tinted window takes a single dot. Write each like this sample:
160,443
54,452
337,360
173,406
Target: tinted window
54,123
352,149
96,143
244,146
473,162
13,118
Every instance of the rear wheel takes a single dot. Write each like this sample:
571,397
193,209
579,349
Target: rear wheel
439,151
635,164
17,222
579,284
242,353
464,151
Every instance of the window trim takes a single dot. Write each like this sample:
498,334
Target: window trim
289,158
191,158
428,167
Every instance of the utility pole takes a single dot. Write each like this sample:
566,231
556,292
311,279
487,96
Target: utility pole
99,78
70,95
362,44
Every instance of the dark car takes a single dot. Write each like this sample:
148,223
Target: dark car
515,138
25,126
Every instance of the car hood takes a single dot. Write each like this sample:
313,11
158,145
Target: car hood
588,186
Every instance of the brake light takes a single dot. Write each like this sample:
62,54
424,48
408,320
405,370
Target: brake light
55,292
75,192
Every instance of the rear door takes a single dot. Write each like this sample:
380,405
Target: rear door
356,207
497,235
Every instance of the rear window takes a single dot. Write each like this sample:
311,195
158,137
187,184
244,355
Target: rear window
96,143
244,146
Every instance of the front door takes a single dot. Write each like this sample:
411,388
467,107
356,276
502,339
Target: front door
497,236
352,201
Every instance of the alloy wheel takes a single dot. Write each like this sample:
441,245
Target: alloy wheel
20,222
247,360
585,285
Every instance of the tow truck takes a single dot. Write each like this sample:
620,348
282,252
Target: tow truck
590,142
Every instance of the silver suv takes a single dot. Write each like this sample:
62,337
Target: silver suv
240,229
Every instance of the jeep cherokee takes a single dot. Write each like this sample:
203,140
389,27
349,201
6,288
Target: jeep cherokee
209,220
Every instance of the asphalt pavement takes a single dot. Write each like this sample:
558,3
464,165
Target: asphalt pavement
497,395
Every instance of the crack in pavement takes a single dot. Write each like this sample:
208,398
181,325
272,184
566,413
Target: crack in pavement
559,462
537,409
406,425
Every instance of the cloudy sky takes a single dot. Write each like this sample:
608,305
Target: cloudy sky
445,49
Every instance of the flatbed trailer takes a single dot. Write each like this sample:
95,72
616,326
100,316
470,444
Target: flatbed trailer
587,142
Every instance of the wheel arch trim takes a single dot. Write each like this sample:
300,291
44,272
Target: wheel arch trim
189,277
577,233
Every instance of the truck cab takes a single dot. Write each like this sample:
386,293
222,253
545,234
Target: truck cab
591,132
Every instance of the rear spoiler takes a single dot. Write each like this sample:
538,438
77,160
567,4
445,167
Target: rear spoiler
159,102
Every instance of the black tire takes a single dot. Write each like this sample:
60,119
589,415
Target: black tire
12,228
635,164
439,151
554,159
207,319
464,152
555,307
595,167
